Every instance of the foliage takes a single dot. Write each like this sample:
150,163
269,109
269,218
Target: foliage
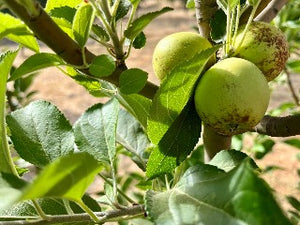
171,183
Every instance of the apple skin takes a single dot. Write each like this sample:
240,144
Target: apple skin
176,48
265,46
232,96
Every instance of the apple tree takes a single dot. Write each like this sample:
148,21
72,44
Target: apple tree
214,86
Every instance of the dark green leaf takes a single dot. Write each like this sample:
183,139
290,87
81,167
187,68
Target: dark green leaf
174,93
100,32
40,133
132,80
123,8
95,131
65,12
130,134
82,23
263,147
176,144
229,159
295,142
218,25
294,202
10,190
139,41
36,62
67,177
140,23
15,30
102,66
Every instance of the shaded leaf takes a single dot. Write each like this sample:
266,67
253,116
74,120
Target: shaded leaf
100,32
40,133
65,12
72,174
132,80
218,25
102,66
36,62
140,41
123,8
95,131
52,4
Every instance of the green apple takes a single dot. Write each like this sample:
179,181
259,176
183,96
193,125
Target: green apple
176,48
232,96
265,46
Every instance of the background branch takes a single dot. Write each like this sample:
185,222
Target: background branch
270,12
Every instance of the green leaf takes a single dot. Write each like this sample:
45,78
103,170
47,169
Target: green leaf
95,131
140,41
294,65
10,190
67,177
262,147
132,80
40,133
36,62
190,4
174,93
294,202
102,66
218,26
239,196
130,135
293,142
15,30
140,23
82,23
253,2
176,144
229,159
123,8
135,3
52,4
63,12
6,62
100,32
233,3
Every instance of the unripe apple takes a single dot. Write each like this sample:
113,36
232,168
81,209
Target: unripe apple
232,96
176,48
265,46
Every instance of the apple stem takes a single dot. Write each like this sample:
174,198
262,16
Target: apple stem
228,30
237,20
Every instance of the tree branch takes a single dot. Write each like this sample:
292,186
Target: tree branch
260,8
113,215
270,12
279,126
50,33
293,92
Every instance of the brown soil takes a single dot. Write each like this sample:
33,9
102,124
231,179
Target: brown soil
73,99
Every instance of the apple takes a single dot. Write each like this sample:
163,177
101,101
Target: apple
265,46
176,48
232,96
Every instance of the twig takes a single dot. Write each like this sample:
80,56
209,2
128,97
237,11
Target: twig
270,12
113,215
279,126
293,92
245,16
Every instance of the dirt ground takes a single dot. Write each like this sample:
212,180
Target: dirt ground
73,99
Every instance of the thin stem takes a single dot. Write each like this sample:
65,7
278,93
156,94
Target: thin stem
106,9
114,179
122,193
293,92
39,210
115,8
228,32
68,206
237,20
88,210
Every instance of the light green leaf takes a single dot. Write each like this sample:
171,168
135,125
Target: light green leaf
132,80
174,93
140,23
130,134
15,30
135,3
82,23
40,133
95,131
36,62
67,177
52,4
10,190
190,4
102,66
6,62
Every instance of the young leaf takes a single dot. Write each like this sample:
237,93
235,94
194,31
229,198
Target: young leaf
100,32
140,23
82,23
67,177
6,62
52,4
35,63
102,66
132,80
239,196
10,190
123,8
40,133
176,144
64,12
174,93
139,41
95,131
130,135
15,30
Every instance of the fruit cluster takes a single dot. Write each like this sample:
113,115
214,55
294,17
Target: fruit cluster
232,96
